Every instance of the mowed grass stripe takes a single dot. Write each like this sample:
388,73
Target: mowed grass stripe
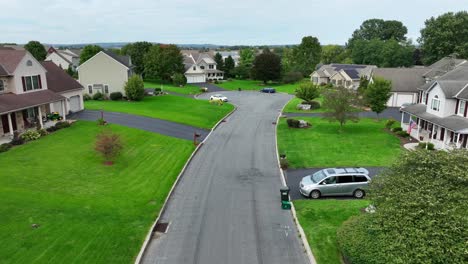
87,212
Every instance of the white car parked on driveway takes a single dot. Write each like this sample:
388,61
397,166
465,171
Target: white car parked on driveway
218,97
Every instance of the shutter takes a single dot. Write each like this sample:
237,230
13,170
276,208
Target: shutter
427,98
24,83
39,80
456,106
466,108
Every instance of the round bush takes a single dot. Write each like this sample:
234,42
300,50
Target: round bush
116,96
98,96
396,129
86,97
403,134
389,123
179,79
30,135
5,147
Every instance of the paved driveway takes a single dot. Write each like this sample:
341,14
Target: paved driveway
294,176
226,207
145,123
391,112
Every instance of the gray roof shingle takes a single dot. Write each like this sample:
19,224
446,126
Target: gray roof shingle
10,102
403,79
58,80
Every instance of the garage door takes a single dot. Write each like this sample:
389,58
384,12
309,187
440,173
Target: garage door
195,79
75,103
404,98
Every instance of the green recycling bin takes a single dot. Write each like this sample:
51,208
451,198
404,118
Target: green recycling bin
285,203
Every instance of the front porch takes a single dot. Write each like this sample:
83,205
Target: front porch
443,137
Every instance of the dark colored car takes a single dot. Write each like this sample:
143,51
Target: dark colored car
268,90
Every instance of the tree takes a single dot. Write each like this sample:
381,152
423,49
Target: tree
88,52
307,91
445,35
306,56
179,79
379,29
134,88
267,67
109,145
241,72
162,62
247,56
332,54
420,212
363,83
219,61
287,60
229,65
137,52
36,49
341,104
377,94
388,53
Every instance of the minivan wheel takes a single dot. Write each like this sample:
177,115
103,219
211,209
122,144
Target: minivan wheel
359,193
315,194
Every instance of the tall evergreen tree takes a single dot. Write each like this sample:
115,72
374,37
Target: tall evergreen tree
219,61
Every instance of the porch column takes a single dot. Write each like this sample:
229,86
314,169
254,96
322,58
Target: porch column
458,145
432,134
40,117
63,110
402,117
10,124
417,131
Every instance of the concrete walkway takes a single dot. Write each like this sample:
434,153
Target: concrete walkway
145,123
226,207
391,112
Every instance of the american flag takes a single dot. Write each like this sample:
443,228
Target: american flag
412,125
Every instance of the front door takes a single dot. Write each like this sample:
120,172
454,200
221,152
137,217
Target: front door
6,127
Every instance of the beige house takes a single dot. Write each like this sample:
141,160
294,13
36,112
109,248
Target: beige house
200,68
346,75
105,72
30,90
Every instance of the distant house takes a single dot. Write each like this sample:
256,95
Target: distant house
29,90
63,58
405,83
201,67
346,75
234,55
441,114
105,72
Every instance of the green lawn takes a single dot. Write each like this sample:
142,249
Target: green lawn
178,109
292,104
87,212
321,219
257,85
360,144
187,89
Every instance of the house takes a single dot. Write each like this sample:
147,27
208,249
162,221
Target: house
346,75
442,66
63,58
405,83
30,90
105,72
440,116
234,55
200,68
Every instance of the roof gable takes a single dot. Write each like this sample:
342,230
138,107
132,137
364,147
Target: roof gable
10,59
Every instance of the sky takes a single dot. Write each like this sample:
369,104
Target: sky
222,22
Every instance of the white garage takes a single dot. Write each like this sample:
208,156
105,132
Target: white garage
398,99
199,78
75,102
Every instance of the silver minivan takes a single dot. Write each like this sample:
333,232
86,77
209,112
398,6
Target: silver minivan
336,182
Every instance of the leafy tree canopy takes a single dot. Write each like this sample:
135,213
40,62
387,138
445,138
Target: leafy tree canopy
377,94
332,54
219,61
137,52
341,104
267,67
306,56
445,35
379,29
247,56
389,53
134,88
162,62
88,52
36,49
229,65
421,203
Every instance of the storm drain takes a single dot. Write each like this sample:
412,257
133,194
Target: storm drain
161,227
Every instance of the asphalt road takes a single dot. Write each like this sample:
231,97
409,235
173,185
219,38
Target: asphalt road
211,87
226,207
294,176
391,112
145,123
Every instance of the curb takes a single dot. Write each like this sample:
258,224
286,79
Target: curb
176,182
293,209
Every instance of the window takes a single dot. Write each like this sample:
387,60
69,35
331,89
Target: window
423,101
202,67
345,179
31,83
90,89
315,79
340,82
331,180
29,63
106,89
461,107
435,103
348,83
211,66
360,178
2,86
98,87
194,68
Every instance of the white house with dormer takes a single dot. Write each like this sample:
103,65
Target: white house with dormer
200,68
441,114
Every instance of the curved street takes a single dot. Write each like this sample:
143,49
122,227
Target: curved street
226,207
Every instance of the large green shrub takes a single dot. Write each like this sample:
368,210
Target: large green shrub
134,88
116,96
389,123
426,145
307,91
421,203
397,129
5,147
30,135
179,79
98,96
86,97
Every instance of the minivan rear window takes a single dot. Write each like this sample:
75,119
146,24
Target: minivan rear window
360,178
